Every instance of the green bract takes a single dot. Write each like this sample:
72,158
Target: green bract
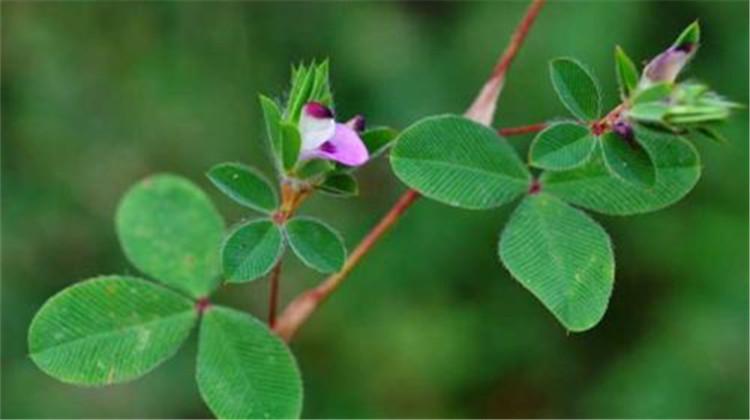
576,88
340,185
245,185
244,371
108,330
459,162
272,117
562,145
316,244
627,74
563,257
378,139
291,145
251,250
171,231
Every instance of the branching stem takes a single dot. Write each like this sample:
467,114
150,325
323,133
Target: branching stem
482,110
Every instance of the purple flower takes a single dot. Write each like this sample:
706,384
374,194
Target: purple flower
666,66
324,138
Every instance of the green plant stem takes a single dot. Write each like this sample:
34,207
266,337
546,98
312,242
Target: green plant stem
482,110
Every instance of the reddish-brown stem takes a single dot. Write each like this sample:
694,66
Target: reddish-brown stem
483,108
525,129
482,111
273,295
297,312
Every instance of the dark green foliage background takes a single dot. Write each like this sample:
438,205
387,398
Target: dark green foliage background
97,95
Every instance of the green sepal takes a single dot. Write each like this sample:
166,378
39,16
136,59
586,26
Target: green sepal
657,92
292,144
689,36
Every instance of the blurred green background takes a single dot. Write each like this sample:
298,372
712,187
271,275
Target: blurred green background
96,95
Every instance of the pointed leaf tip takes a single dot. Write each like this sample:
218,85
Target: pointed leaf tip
689,36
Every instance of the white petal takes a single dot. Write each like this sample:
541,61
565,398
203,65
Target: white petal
315,130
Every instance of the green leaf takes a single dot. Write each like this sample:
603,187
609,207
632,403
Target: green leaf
591,186
711,134
272,117
340,185
244,370
108,330
292,143
251,250
576,88
378,139
627,160
627,73
170,230
562,146
316,244
314,168
459,162
244,185
653,93
321,89
649,112
302,83
563,257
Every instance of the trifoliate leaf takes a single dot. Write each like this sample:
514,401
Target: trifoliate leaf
591,186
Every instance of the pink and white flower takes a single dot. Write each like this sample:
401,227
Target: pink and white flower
324,138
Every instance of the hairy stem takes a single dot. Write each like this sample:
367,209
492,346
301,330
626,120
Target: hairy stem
482,110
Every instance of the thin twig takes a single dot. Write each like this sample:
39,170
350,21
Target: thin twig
273,295
483,108
524,129
301,308
297,312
